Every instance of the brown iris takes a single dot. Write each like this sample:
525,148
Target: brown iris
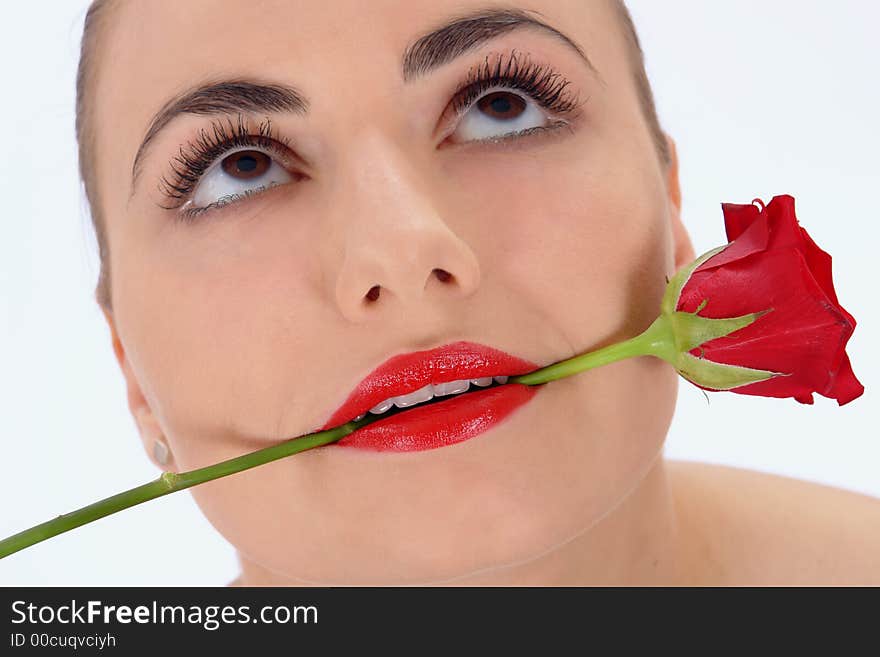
501,104
245,165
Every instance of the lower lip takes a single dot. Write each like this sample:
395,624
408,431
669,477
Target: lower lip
443,423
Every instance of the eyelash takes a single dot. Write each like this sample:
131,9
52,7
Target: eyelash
540,83
188,167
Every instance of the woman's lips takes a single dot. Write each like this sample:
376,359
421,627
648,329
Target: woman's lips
442,423
405,373
438,423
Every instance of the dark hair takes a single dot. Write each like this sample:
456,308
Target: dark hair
643,85
96,20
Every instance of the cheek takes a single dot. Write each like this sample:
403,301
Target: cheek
584,241
212,321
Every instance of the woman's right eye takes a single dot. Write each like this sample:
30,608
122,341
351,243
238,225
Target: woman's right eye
237,174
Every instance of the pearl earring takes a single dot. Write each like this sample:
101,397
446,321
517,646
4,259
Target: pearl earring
160,451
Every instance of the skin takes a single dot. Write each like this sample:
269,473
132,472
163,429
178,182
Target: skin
233,335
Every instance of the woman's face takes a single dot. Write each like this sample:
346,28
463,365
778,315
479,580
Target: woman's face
252,324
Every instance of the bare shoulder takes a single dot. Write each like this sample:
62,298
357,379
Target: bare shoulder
746,527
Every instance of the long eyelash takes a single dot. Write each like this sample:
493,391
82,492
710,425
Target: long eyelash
542,84
189,166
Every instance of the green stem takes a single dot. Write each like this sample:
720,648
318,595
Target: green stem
170,482
656,340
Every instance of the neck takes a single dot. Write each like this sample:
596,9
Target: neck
638,543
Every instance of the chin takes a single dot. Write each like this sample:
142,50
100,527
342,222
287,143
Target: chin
453,552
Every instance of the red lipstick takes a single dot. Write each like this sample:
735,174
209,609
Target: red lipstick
439,423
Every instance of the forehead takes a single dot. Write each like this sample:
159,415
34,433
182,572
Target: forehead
150,54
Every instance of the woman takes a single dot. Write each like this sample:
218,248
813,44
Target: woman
290,202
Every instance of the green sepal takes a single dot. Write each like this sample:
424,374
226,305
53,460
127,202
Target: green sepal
673,289
719,376
690,330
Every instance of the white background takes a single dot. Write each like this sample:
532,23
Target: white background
763,97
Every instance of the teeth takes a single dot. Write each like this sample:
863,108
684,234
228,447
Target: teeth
429,391
360,417
413,398
451,388
383,406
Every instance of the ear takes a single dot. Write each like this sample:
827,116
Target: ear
683,248
147,424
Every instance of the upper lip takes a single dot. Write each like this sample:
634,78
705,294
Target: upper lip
406,373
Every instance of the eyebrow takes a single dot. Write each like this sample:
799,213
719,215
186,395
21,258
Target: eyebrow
430,51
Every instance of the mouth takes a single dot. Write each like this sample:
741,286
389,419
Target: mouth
429,399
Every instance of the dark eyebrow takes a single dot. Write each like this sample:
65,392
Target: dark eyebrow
437,47
471,30
218,98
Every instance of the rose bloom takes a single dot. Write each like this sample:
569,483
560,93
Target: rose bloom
387,204
772,266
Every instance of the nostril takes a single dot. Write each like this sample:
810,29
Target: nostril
441,274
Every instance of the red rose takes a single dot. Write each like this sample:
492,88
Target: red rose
772,263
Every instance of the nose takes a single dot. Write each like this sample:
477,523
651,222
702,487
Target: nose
398,253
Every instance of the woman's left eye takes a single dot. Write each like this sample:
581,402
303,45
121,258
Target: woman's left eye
237,174
499,114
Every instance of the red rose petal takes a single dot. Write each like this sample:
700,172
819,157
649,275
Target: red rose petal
845,386
752,240
785,232
737,218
